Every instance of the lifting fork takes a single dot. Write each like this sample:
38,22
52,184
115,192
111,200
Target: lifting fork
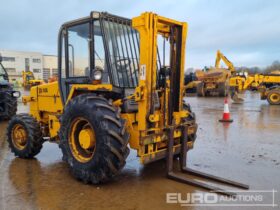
185,169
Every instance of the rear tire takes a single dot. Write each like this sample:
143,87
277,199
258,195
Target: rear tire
103,160
200,89
24,136
273,97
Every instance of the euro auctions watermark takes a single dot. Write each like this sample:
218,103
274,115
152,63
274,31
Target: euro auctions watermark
254,198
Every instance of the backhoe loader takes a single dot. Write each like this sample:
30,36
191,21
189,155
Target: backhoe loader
267,84
113,89
8,96
216,80
28,80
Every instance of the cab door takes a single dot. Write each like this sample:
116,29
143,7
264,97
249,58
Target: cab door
75,61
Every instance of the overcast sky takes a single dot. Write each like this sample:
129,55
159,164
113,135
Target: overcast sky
246,31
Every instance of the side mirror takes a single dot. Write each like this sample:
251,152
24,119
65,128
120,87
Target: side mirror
1,58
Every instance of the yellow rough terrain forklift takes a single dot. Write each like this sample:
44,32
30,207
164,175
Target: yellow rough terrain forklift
28,80
116,86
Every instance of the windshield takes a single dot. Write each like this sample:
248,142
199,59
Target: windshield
122,43
115,52
29,77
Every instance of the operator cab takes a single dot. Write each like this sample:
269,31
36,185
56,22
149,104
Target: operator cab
29,77
99,49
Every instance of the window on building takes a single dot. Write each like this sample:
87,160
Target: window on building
37,70
46,74
9,59
27,64
36,60
54,72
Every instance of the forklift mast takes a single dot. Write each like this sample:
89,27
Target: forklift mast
150,26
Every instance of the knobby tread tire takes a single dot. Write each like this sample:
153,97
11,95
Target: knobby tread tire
11,106
34,136
111,138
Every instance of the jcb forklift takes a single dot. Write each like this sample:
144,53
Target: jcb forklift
8,96
116,86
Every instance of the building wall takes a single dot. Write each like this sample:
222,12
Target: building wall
49,66
17,61
43,66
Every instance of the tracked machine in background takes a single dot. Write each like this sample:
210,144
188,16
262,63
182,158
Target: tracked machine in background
126,91
8,96
216,80
28,80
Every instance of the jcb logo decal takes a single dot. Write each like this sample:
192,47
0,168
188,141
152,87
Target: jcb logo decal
43,90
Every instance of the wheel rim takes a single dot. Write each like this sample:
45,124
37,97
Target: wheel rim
82,140
274,97
19,137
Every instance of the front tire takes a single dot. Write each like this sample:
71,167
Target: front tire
24,136
93,138
273,97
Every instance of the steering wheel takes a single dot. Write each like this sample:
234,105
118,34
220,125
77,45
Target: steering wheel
123,65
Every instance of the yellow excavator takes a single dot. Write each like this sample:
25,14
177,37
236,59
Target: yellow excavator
121,94
216,80
267,84
28,80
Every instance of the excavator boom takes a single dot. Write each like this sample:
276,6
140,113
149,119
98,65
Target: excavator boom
220,56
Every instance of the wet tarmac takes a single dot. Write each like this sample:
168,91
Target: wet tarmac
246,150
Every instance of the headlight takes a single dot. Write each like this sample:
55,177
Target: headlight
16,94
97,75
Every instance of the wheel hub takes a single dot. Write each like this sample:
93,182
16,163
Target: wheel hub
82,140
275,97
86,139
19,137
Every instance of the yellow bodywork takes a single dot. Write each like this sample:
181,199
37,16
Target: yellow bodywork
244,83
192,85
268,86
150,142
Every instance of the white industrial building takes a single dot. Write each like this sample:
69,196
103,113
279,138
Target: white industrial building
49,66
15,62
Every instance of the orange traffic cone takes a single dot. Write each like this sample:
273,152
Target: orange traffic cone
226,114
